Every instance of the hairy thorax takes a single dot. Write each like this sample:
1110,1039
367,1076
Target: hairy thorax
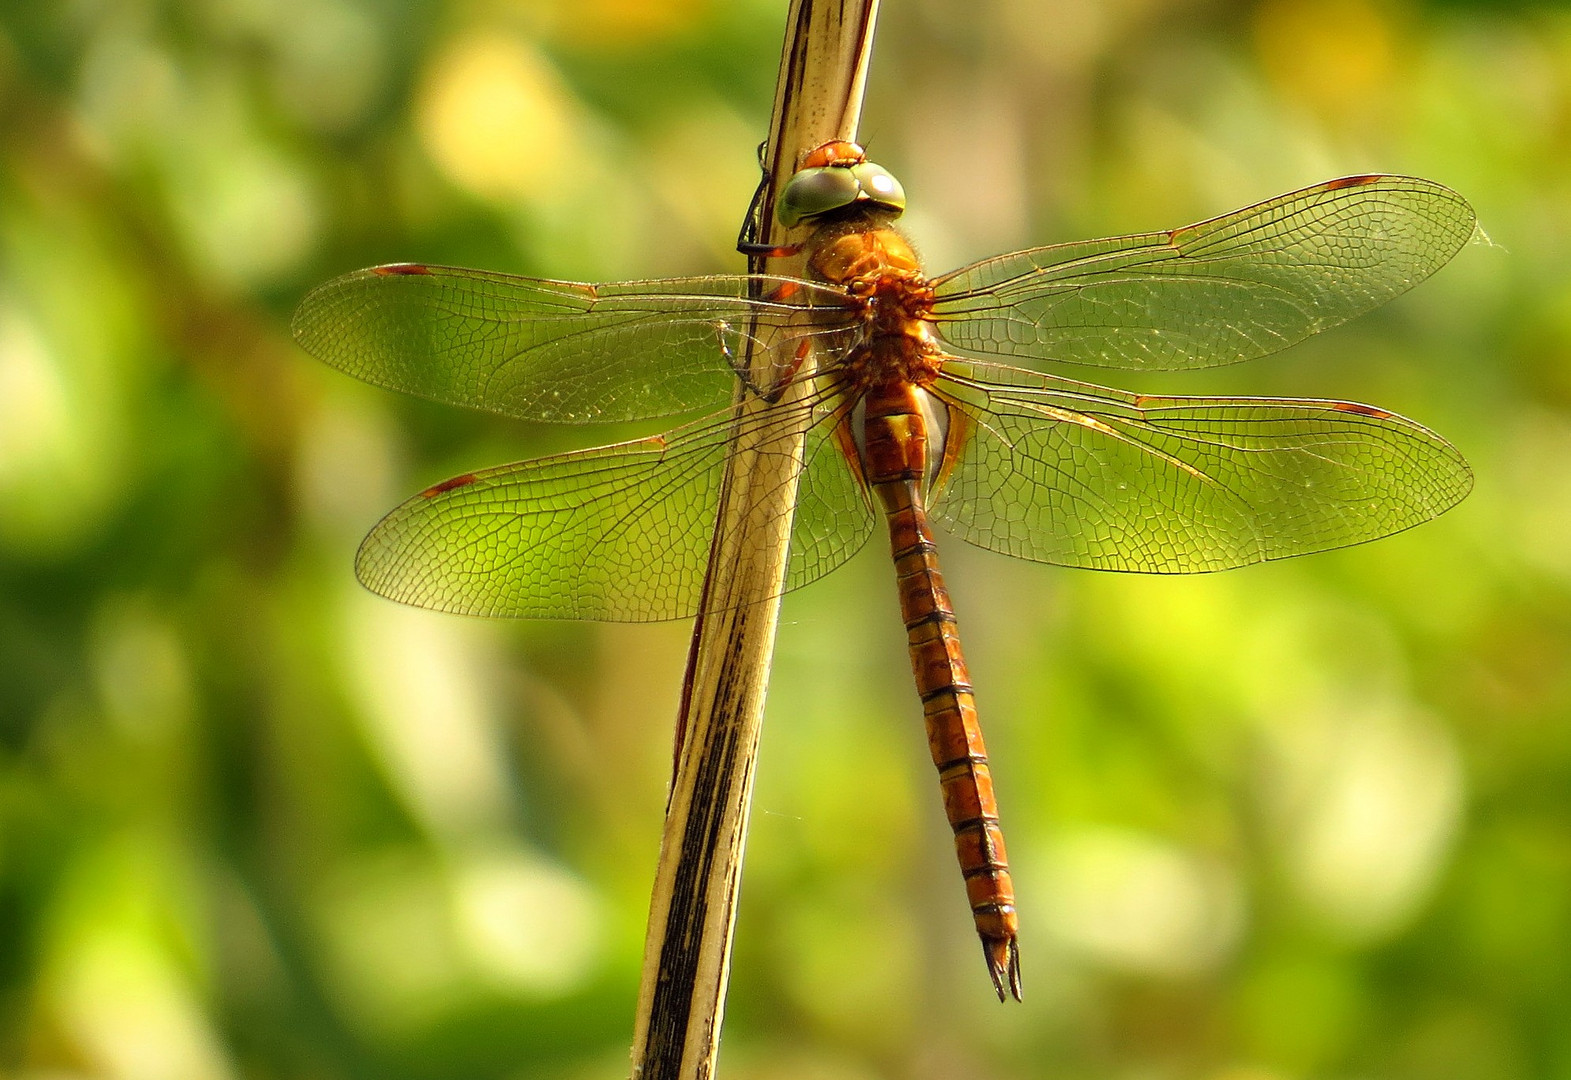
882,277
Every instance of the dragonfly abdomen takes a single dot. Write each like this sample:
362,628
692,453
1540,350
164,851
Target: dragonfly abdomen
894,461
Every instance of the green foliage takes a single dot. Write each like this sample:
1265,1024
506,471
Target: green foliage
1307,819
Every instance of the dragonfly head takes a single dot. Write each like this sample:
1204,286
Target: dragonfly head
833,177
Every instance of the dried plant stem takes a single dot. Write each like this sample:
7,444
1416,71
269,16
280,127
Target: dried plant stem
687,952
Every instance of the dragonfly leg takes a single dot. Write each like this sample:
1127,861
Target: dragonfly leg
769,251
798,358
753,223
777,383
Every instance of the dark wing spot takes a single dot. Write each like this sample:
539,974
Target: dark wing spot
1361,410
448,485
1352,181
400,268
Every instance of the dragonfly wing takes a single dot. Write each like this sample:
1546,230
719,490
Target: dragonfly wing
558,351
834,516
1236,287
616,533
1064,472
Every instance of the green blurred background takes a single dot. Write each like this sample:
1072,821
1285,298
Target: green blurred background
1305,820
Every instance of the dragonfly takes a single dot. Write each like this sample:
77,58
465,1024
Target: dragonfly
937,401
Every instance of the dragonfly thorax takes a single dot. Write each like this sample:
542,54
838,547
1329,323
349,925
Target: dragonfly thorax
863,254
860,245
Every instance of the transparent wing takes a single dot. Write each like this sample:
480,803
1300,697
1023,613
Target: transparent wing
1229,289
1064,472
557,351
834,514
616,533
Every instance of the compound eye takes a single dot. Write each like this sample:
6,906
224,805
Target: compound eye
879,185
817,191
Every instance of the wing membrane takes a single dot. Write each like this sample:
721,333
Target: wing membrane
616,533
1078,475
552,350
1229,289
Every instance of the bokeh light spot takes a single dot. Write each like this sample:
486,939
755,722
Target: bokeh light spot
1132,902
1367,799
497,119
1338,56
525,924
424,685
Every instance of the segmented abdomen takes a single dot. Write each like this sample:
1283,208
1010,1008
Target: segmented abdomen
894,462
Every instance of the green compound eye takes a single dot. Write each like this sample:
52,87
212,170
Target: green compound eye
879,186
820,190
816,191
